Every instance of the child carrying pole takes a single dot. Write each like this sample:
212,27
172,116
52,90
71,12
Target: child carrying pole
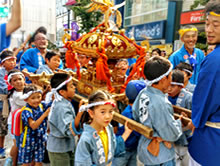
153,109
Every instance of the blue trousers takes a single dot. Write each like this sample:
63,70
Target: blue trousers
129,158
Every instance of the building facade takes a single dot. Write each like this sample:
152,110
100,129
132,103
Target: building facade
64,19
192,17
146,18
160,20
34,14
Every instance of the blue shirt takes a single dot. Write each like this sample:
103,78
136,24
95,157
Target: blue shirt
132,141
173,99
4,40
44,68
19,56
181,55
204,145
32,60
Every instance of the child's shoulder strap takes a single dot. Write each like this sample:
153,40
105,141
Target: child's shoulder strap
26,108
41,106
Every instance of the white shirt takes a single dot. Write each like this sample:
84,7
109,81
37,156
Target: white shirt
15,102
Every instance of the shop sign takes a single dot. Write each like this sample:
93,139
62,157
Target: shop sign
153,30
192,17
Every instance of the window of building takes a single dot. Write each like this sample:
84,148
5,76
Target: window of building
143,11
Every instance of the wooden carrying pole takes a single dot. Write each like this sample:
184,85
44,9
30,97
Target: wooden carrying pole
178,110
144,130
184,120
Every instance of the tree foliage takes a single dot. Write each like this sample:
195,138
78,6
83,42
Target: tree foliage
51,46
85,19
198,2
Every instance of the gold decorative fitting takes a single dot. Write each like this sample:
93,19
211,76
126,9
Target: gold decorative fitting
132,38
92,39
122,31
116,41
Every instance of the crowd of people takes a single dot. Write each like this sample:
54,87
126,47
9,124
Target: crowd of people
85,135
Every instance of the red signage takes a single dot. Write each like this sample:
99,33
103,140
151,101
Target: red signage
192,17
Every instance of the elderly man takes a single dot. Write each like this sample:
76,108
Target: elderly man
188,53
204,146
12,25
33,58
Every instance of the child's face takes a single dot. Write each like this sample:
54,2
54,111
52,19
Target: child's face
17,81
70,92
83,60
174,90
101,115
9,64
34,100
54,62
123,67
166,83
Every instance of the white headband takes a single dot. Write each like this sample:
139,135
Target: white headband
149,83
54,90
25,96
177,83
10,57
187,71
86,107
12,74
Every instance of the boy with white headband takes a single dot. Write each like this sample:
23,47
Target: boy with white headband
187,71
8,62
153,109
177,94
17,80
61,141
188,53
180,97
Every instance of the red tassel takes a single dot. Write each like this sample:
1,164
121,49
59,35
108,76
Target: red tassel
71,60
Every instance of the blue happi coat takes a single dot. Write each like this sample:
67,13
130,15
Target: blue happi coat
90,151
32,60
182,55
61,116
153,109
184,99
204,146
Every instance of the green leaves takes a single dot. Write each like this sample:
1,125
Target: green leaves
86,20
198,2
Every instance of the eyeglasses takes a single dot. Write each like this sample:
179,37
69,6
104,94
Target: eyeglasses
40,39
